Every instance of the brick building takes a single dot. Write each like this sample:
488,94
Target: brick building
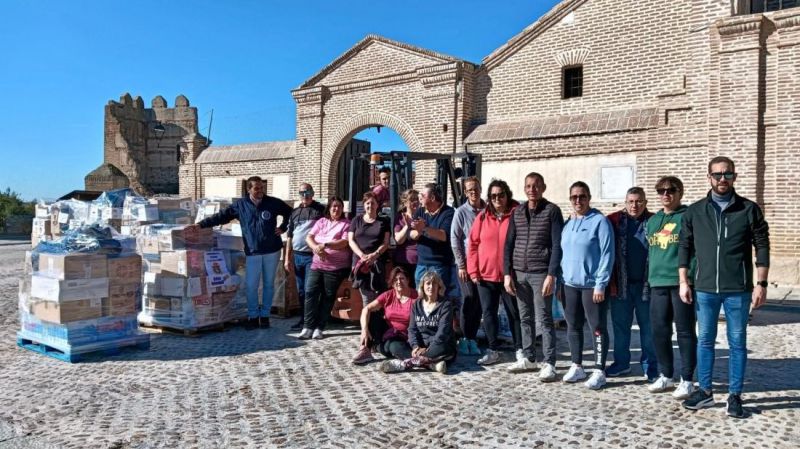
612,92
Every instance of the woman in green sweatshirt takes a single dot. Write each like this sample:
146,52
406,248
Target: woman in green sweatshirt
665,303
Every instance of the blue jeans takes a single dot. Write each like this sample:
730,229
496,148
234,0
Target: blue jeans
622,312
449,275
737,312
258,266
302,267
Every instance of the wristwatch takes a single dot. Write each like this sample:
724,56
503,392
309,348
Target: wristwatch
764,284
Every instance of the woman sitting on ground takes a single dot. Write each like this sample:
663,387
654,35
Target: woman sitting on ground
430,332
384,322
329,267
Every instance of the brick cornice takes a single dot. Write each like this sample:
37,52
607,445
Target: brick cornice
787,19
739,26
311,95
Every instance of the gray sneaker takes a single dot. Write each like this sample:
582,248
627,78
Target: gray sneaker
489,357
392,366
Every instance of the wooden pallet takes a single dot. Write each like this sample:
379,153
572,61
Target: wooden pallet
190,331
75,354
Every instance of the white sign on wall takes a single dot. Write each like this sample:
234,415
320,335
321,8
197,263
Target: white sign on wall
615,182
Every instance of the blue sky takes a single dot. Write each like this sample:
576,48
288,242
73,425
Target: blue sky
61,61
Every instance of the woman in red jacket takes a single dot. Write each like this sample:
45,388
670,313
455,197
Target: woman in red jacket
485,267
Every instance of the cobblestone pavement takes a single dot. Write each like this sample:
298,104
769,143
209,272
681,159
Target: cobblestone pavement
266,389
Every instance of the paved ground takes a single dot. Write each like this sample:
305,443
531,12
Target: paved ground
266,389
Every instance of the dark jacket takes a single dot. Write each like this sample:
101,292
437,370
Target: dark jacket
618,287
723,243
533,242
258,223
436,328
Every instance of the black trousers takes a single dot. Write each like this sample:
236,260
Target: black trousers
470,316
321,287
666,307
490,294
578,310
397,348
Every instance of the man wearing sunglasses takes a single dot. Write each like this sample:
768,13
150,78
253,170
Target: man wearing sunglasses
298,254
721,230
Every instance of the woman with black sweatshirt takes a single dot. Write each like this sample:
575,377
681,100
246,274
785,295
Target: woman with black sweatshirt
430,331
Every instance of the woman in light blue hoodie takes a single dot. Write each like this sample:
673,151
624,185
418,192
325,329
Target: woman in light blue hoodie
587,242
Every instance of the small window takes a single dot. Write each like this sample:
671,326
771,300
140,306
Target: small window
572,82
757,6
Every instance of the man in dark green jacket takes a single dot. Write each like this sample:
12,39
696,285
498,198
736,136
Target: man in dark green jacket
721,230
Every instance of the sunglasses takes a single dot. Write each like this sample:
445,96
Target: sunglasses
306,193
472,191
728,175
671,191
574,198
497,196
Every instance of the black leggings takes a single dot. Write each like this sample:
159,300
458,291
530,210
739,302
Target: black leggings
470,316
490,294
579,309
397,348
666,307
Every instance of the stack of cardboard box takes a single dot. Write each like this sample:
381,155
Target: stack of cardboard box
42,229
80,302
187,284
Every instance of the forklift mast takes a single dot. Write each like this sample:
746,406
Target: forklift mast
450,170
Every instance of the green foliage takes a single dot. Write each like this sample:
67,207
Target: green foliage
12,204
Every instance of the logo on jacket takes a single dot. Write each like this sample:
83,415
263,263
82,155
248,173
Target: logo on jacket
266,215
665,236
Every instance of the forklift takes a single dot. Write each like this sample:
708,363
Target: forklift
451,168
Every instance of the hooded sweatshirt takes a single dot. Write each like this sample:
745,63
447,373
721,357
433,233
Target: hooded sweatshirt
663,232
486,245
588,246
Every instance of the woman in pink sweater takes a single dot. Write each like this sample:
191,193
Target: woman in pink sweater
485,267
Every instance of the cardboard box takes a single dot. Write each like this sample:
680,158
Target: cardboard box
125,269
183,237
41,226
151,266
68,290
228,240
222,301
119,306
184,262
158,303
173,286
42,210
147,244
84,309
72,266
141,212
171,203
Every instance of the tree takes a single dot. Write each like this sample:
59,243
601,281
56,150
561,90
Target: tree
12,204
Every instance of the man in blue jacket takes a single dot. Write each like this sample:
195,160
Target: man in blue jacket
721,230
258,215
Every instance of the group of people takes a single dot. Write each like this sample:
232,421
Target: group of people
454,267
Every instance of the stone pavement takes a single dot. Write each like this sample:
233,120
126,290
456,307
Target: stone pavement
267,389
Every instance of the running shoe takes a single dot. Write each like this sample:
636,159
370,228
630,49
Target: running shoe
521,366
734,408
597,381
440,367
660,385
699,399
392,366
305,334
364,355
490,357
317,335
575,374
684,390
547,372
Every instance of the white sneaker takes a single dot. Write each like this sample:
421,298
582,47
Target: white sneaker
440,367
489,357
684,390
392,366
662,384
597,380
317,334
520,355
547,373
575,374
521,365
305,334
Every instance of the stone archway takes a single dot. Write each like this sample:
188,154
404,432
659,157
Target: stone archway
418,93
339,139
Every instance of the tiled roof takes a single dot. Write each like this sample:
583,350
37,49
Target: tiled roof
257,151
566,125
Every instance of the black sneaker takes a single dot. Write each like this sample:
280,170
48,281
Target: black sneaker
298,325
735,409
251,324
699,399
264,323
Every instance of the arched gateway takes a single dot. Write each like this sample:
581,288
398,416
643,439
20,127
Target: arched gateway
379,82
